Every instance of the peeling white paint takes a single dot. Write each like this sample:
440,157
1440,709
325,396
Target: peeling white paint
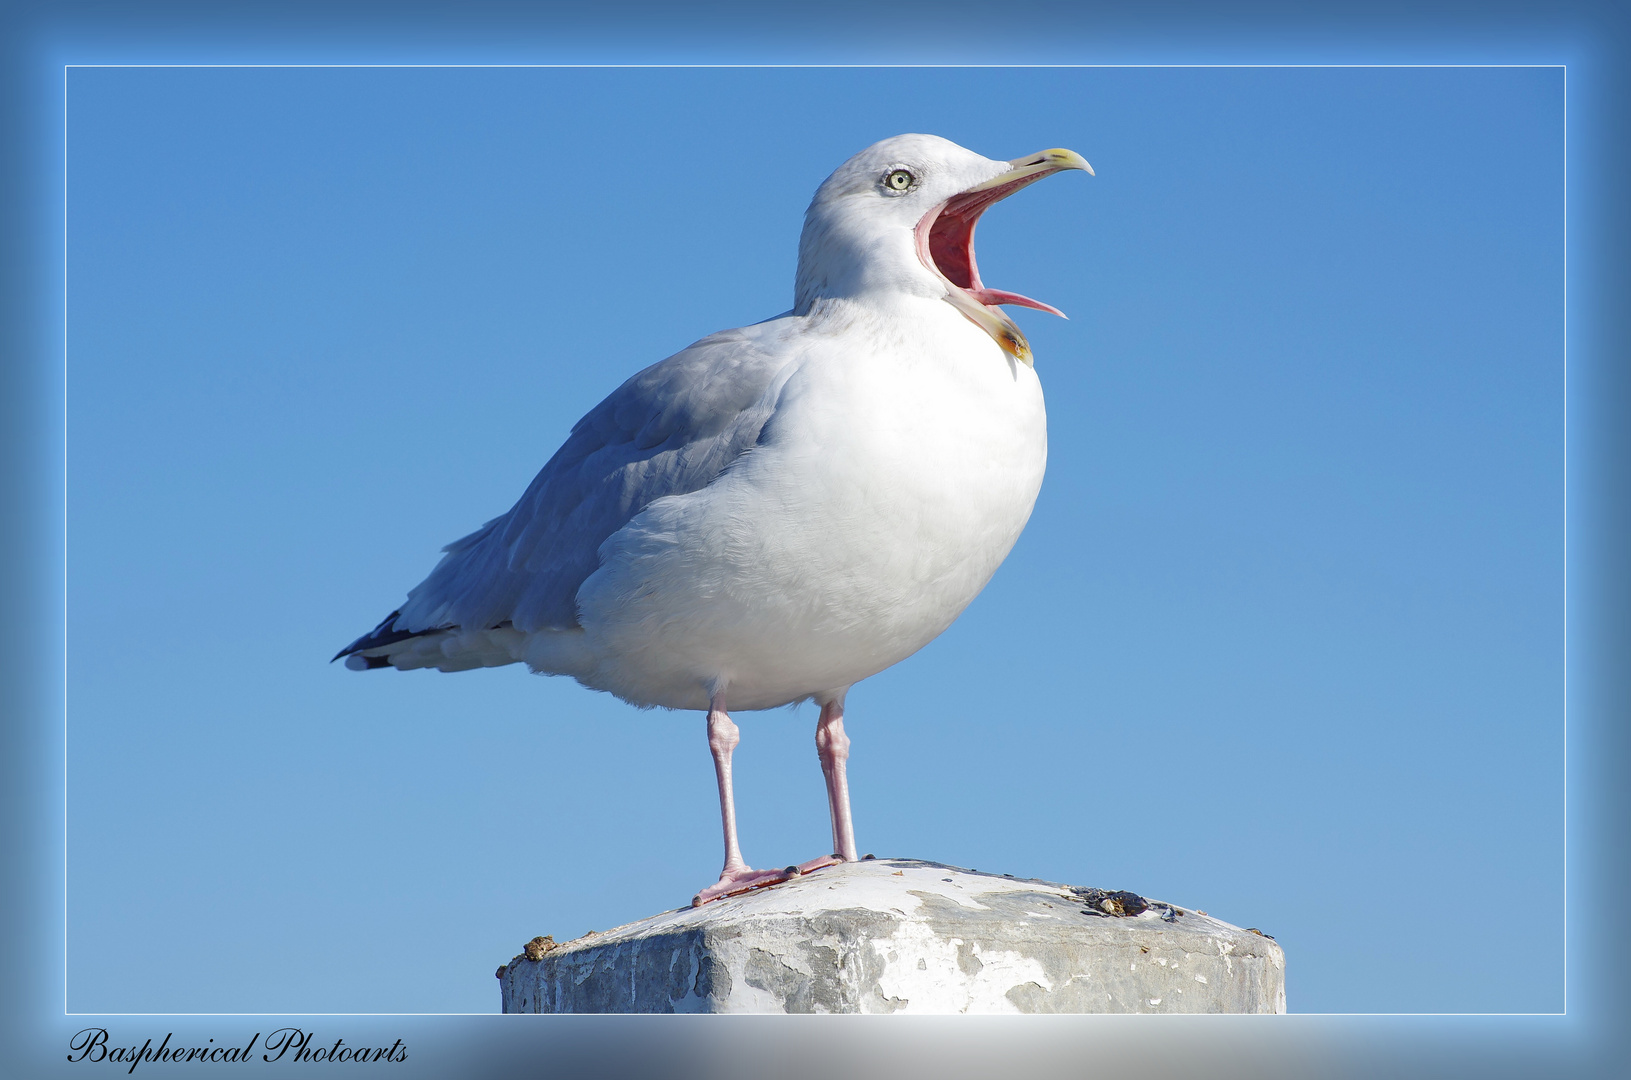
929,973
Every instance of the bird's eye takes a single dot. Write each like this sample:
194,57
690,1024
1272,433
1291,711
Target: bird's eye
899,180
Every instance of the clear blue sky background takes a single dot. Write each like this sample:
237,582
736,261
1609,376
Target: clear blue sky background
1283,640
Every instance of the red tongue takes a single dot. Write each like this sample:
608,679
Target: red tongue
1000,296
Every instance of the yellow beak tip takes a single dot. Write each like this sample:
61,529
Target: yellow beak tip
1067,159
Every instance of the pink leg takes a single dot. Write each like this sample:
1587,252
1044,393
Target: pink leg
832,746
737,876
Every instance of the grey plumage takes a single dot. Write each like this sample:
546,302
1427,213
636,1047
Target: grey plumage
669,430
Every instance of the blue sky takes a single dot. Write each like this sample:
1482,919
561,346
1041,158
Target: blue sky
1283,640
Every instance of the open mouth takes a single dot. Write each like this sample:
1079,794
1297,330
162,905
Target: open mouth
945,244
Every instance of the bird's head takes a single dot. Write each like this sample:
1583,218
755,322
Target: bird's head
899,217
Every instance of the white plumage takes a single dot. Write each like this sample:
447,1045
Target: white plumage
781,510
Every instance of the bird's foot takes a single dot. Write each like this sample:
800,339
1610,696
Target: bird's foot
732,882
736,882
817,864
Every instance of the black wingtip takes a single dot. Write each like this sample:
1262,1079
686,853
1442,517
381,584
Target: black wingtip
379,635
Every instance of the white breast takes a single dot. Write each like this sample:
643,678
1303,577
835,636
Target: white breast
902,461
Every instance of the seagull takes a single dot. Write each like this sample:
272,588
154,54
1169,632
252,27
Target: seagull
778,511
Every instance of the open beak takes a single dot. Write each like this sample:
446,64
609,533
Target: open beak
945,244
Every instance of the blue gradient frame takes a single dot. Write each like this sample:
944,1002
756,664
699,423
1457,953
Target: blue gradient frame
1583,1042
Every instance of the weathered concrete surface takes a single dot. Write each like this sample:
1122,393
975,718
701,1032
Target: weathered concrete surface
899,935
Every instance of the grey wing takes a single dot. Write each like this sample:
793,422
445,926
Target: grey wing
669,430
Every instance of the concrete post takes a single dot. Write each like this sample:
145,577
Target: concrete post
900,935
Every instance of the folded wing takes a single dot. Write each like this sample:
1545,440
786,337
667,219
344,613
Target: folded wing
670,430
